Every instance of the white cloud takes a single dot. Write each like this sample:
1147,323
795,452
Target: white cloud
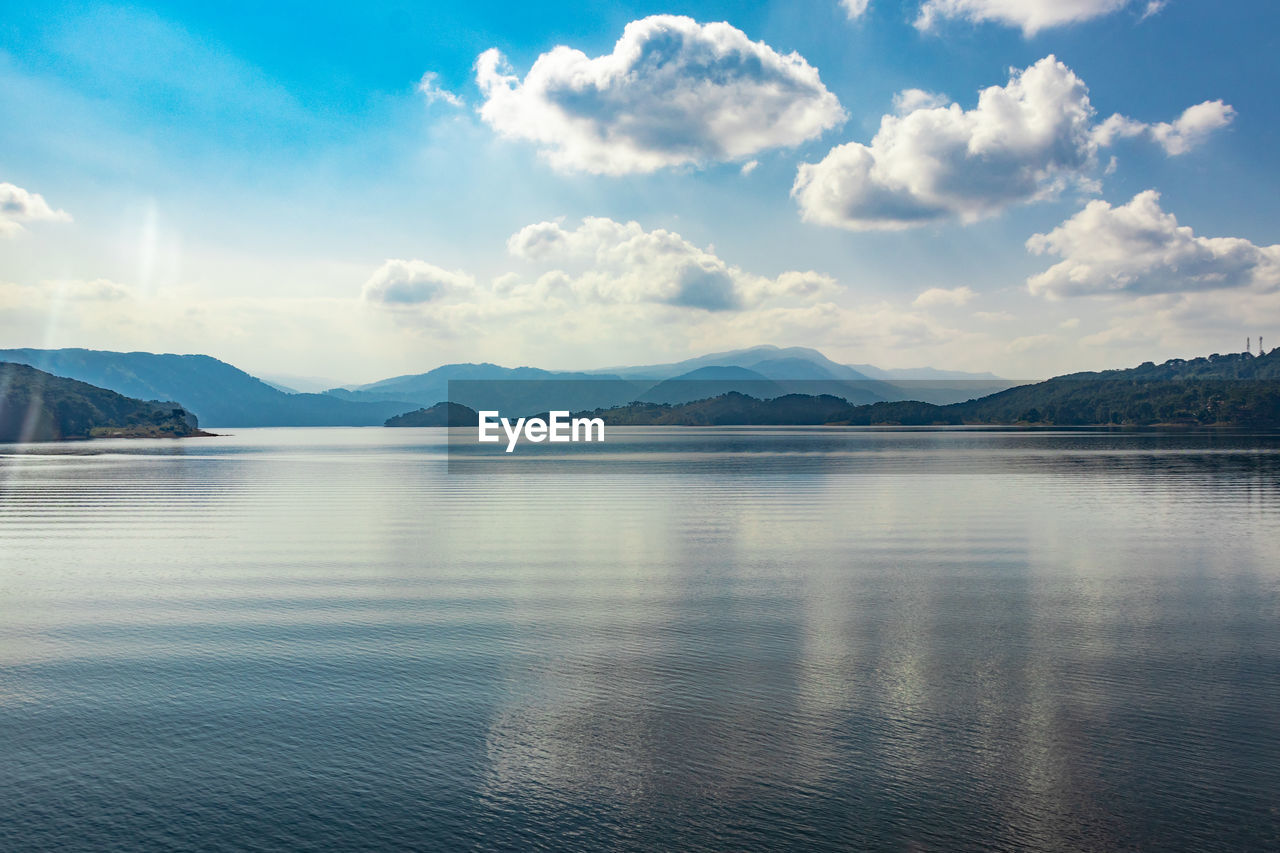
910,100
1030,16
672,92
1176,137
936,297
1191,128
18,206
1183,324
94,290
749,167
1031,342
1024,141
994,316
607,261
1139,249
855,8
401,283
432,91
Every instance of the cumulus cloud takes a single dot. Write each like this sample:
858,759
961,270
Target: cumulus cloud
910,100
607,261
672,92
1176,137
18,206
430,88
1030,16
855,8
1024,141
936,297
401,283
1139,249
1191,128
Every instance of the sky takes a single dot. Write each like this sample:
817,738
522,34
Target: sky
350,191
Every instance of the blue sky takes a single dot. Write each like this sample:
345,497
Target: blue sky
277,188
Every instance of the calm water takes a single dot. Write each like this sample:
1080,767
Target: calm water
701,639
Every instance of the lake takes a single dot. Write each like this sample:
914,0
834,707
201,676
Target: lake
686,639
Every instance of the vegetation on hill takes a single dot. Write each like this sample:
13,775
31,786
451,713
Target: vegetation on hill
439,415
37,406
1224,390
1236,389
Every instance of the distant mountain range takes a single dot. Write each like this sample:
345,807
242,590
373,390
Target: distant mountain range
38,406
762,371
225,396
783,362
217,393
76,392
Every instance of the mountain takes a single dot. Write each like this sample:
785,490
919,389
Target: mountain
433,386
217,393
802,370
707,382
294,384
1235,389
38,406
748,358
515,390
1220,390
728,409
921,373
774,371
440,415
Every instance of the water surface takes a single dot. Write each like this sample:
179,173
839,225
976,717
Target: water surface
748,638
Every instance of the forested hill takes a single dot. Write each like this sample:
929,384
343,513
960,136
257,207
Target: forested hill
38,406
1226,390
445,414
1235,389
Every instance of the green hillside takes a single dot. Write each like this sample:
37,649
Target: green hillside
439,415
38,406
1218,390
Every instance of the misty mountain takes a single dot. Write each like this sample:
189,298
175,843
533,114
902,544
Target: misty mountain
763,371
217,393
293,384
520,390
222,395
797,358
712,381
921,373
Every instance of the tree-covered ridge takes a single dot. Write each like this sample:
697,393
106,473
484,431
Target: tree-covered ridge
440,415
38,406
1225,390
